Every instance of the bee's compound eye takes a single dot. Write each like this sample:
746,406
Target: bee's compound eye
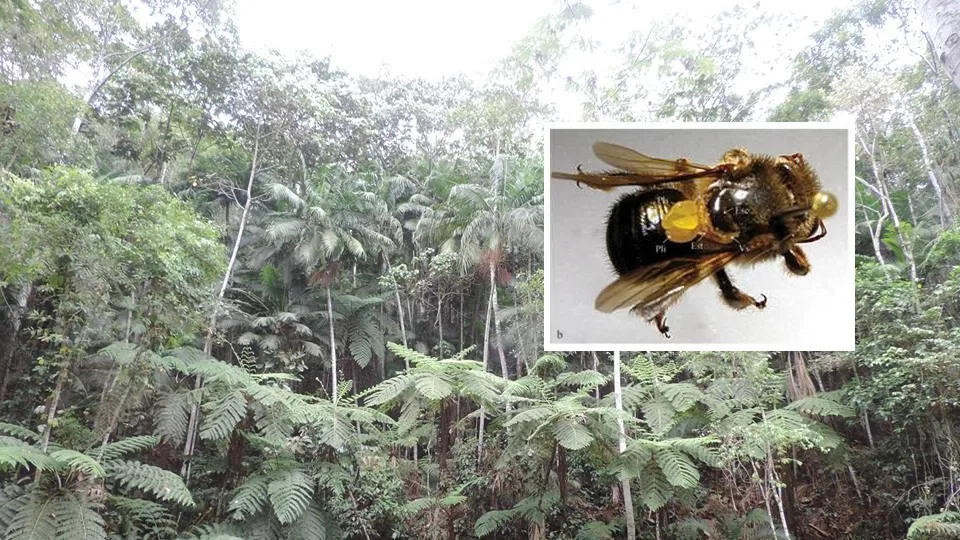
824,204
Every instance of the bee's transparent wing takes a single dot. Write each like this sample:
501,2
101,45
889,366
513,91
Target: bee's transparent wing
651,288
636,169
632,161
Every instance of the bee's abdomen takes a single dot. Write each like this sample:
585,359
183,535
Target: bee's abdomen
635,235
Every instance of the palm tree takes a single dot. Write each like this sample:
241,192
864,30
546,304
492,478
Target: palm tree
335,221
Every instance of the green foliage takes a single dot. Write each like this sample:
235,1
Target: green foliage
943,526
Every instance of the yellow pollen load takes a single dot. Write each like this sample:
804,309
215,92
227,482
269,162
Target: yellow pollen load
824,204
682,222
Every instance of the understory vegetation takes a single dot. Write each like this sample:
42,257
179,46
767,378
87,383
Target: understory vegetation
248,296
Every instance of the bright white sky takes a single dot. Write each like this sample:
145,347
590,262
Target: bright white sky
435,38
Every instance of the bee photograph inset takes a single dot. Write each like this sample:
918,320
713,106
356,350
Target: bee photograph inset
699,237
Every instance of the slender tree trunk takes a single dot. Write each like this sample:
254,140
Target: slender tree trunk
333,350
496,321
486,367
876,231
881,189
88,99
941,19
624,480
403,329
194,422
946,217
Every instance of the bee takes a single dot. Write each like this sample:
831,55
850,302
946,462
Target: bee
687,222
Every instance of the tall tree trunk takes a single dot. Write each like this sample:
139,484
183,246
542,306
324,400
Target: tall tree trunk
496,321
333,350
486,367
946,216
403,329
941,19
624,481
194,422
882,191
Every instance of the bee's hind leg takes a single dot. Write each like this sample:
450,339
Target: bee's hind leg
733,296
660,319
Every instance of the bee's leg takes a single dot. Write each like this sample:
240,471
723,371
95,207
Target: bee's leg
733,296
660,319
796,261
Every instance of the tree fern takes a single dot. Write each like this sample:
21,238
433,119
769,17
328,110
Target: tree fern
251,497
60,515
173,415
314,523
73,460
118,449
143,519
223,415
290,494
942,526
164,484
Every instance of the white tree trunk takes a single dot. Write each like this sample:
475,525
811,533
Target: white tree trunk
192,426
941,20
946,216
624,482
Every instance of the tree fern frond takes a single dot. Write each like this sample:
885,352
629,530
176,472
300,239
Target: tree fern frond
145,517
677,468
935,526
314,523
571,434
492,521
821,406
119,448
224,415
19,432
73,460
388,390
17,456
290,494
166,485
250,498
173,415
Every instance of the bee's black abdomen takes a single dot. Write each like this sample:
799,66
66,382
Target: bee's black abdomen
635,235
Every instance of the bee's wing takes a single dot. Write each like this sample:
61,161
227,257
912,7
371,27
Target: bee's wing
653,287
630,160
637,169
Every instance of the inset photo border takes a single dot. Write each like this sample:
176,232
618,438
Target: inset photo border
812,312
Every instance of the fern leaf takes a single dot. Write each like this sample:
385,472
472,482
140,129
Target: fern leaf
26,456
820,406
225,414
36,519
116,450
19,432
73,460
314,524
677,468
173,415
571,434
166,485
78,519
654,489
492,521
250,498
432,387
681,395
659,414
144,516
290,495
943,525
533,414
388,390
